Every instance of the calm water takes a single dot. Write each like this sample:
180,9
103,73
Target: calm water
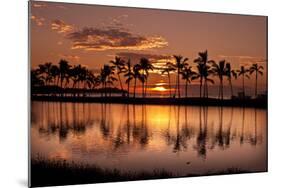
180,139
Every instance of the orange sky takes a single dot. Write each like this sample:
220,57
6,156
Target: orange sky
92,35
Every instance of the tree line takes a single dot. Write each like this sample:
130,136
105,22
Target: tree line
77,77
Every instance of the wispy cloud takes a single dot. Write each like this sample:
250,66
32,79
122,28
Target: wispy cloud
117,22
158,60
243,60
39,5
39,21
61,27
100,39
69,57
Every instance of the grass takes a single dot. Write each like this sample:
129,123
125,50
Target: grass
60,172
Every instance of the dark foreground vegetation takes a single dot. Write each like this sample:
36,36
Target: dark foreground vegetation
60,172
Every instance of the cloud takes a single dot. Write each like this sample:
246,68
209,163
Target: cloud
69,57
117,22
61,27
135,57
39,5
100,39
158,60
39,21
244,60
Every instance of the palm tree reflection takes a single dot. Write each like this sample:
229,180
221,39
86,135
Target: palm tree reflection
132,127
202,134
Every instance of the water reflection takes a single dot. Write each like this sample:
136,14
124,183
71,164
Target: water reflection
132,137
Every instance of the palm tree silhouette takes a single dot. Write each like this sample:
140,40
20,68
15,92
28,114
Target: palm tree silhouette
129,74
45,71
169,68
145,66
243,72
255,68
187,75
230,73
55,72
219,69
107,77
136,75
203,71
64,70
36,78
119,64
180,63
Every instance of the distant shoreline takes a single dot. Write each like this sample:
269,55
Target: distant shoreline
256,103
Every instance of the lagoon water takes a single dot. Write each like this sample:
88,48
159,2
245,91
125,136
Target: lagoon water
179,139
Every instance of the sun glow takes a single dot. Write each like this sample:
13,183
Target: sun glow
159,88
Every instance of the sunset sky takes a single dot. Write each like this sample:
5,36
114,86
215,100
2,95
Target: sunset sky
92,35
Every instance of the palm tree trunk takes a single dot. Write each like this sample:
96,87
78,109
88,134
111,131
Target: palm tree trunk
222,88
128,89
243,87
135,87
120,82
231,89
200,88
204,88
61,85
170,85
105,90
186,89
143,89
256,89
219,97
146,86
179,95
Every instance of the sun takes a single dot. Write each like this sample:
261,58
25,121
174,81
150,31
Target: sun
159,88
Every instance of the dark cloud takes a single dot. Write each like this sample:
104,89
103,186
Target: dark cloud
113,39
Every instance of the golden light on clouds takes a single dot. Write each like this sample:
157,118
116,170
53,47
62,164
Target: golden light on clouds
101,39
61,27
39,21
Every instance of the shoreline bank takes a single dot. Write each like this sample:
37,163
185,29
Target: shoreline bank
256,103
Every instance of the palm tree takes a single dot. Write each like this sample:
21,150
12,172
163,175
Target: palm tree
119,64
255,68
219,69
243,72
129,75
64,70
36,78
145,66
229,73
136,75
169,68
45,71
55,72
107,77
180,63
203,71
187,75
74,76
